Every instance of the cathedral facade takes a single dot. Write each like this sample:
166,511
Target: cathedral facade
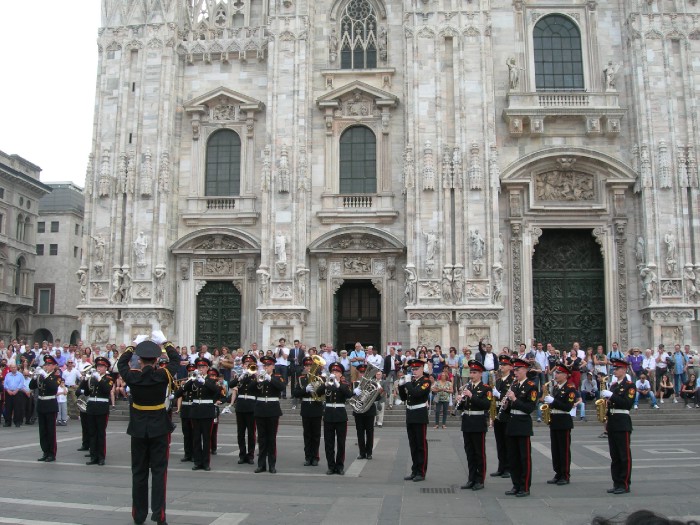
409,171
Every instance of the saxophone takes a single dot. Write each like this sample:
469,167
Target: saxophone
601,405
546,413
370,390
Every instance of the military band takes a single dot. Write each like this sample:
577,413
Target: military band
415,392
500,389
97,388
243,390
312,401
268,389
335,419
560,401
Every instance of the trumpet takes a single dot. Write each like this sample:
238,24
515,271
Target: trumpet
87,369
331,381
260,373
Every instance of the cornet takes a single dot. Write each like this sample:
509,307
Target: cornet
260,373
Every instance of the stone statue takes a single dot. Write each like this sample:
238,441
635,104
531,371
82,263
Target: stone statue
126,284
497,283
410,289
281,248
609,74
116,286
83,280
381,43
159,278
499,248
649,283
670,241
99,251
477,243
639,250
513,74
333,45
447,285
264,277
140,245
457,284
691,289
430,241
301,285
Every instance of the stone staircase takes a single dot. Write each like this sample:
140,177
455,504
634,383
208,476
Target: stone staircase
669,414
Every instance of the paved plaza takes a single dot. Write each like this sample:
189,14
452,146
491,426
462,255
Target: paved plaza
665,478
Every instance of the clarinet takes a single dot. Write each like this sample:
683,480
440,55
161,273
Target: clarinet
505,405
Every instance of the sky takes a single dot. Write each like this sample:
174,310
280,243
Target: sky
48,55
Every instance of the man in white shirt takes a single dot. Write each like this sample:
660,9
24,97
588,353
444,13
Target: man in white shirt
374,358
203,352
644,390
661,367
581,354
329,355
71,376
649,366
281,354
541,358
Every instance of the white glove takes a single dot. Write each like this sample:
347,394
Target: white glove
226,410
606,394
496,393
548,399
268,377
402,380
96,376
171,396
357,391
337,383
158,337
200,379
43,373
309,388
426,368
140,339
408,377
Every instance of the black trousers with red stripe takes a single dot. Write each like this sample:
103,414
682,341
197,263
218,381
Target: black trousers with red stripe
417,441
214,441
312,437
335,434
186,423
149,455
561,453
475,448
520,461
201,441
364,425
97,431
267,441
245,428
47,433
499,432
621,459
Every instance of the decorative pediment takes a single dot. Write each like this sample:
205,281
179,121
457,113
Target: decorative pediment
356,240
216,241
352,97
223,104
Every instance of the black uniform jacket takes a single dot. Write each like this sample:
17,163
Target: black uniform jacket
622,399
308,408
337,395
414,393
479,402
564,398
94,389
203,397
148,387
245,393
186,405
46,387
503,384
526,402
271,388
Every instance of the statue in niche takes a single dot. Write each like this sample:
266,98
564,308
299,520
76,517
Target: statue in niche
670,241
513,74
159,277
281,248
83,280
99,241
410,289
301,284
499,248
649,283
117,286
457,284
446,285
477,244
430,242
126,285
497,283
333,45
639,250
690,279
264,277
140,245
609,75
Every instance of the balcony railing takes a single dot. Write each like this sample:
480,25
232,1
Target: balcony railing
357,201
376,207
203,211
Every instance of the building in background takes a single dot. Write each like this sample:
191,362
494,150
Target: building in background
20,191
59,245
395,170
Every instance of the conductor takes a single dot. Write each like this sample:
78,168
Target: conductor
149,426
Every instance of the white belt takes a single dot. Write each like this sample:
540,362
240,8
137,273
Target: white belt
267,399
309,400
415,407
246,396
203,401
518,413
473,412
555,411
46,398
335,405
498,403
619,411
100,399
186,403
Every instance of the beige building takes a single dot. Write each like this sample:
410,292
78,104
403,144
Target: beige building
413,171
20,191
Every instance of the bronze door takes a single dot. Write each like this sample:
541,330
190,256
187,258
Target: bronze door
358,315
568,289
219,315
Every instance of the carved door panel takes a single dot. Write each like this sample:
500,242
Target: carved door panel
219,315
568,289
357,315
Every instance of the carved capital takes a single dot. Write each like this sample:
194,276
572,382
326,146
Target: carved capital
198,285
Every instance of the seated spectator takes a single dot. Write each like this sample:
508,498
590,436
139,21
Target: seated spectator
666,389
644,390
589,388
690,391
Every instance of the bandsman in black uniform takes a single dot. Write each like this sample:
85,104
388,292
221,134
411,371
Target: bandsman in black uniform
561,401
97,388
414,390
364,422
149,426
474,401
500,389
220,398
47,382
312,397
522,400
268,388
202,412
243,389
184,401
620,399
335,419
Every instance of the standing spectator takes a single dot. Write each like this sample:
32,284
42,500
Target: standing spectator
71,377
392,363
357,357
463,375
649,367
329,355
14,396
442,390
543,362
487,358
600,361
552,359
345,361
438,361
374,358
690,355
690,391
573,362
203,353
62,399
383,399
184,361
452,364
662,359
680,366
635,360
281,355
615,353
296,366
216,359
644,390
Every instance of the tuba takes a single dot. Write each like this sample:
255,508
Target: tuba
601,405
316,379
369,387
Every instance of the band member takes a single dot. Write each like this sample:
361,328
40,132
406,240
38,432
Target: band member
202,412
364,422
522,400
474,402
97,387
46,383
414,390
335,419
311,412
243,388
268,388
221,396
561,401
184,400
500,389
149,426
620,399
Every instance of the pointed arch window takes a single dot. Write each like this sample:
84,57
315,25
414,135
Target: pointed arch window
358,41
223,165
358,160
558,56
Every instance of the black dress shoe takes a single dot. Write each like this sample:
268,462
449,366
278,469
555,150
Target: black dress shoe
88,455
496,474
7,425
340,471
612,490
139,522
409,477
512,492
197,467
330,472
307,463
50,459
272,470
522,494
563,482
213,452
42,458
469,485
552,481
251,461
369,457
259,470
83,449
206,469
185,459
478,486
506,474
101,462
361,457
621,490
419,478
314,463
93,461
242,460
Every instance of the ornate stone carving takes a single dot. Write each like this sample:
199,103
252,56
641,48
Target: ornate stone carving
239,285
564,186
458,284
283,291
225,111
516,209
146,183
302,172
99,334
408,170
378,267
378,284
690,280
336,268
185,269
198,285
446,284
159,274
217,242
89,174
664,169
671,288
382,43
322,268
283,172
219,266
98,254
476,178
515,252
639,250
446,168
693,173
649,283
333,46
670,243
477,289
140,245
97,290
645,166
391,268
621,259
357,264
428,167
430,289
143,291
429,337
681,167
164,174
105,182
599,236
494,169
130,172
336,284
264,286
266,168
496,295
83,282
302,277
410,286
430,246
